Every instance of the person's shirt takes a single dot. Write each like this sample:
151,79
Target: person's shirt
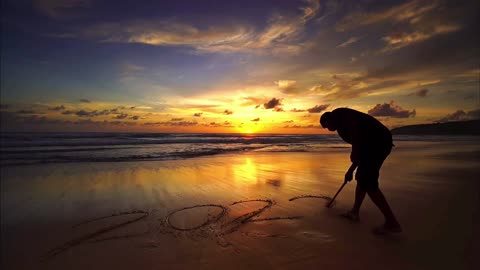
360,129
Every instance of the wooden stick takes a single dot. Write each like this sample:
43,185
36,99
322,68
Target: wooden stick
340,189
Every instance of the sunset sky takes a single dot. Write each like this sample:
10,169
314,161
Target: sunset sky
235,66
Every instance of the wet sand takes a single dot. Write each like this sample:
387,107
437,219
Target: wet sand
242,211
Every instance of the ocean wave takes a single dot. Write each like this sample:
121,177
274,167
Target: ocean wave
34,148
16,158
117,139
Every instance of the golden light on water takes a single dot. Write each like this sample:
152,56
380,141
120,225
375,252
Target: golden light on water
246,172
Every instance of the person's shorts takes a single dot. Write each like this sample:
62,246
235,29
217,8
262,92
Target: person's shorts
368,171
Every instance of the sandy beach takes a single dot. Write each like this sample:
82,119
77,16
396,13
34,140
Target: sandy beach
242,211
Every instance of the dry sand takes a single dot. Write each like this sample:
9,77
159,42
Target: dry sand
236,212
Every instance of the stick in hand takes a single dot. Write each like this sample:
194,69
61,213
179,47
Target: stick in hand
329,205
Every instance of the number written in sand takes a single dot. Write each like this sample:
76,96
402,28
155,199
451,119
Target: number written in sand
225,227
94,236
207,222
215,225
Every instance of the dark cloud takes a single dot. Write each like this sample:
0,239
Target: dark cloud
227,112
122,123
301,126
288,121
67,112
176,119
172,123
83,100
16,122
273,103
391,110
197,114
456,116
461,115
296,110
420,93
86,113
57,108
107,112
215,124
12,121
83,113
255,120
121,116
26,112
279,109
318,108
86,122
135,117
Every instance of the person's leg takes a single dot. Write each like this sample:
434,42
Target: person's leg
379,200
354,214
359,196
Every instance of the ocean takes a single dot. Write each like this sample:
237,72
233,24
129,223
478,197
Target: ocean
34,148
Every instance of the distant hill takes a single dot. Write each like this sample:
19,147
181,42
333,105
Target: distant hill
471,127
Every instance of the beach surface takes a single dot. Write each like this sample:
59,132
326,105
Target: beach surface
251,210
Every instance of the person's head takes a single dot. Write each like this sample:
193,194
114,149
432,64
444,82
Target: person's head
327,122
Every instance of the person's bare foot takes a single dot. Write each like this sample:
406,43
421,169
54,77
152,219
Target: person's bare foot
387,229
352,216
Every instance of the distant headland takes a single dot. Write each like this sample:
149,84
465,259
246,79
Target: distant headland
471,127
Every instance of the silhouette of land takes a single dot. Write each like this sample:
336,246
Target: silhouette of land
471,127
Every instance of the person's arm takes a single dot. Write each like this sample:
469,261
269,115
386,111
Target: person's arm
349,174
357,137
355,154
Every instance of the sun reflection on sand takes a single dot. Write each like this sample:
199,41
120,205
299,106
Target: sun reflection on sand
246,173
94,189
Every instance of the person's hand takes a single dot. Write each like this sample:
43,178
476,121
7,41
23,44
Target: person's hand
349,176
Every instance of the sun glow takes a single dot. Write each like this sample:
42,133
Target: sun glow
246,172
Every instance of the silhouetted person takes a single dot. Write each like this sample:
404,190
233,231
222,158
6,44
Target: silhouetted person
371,144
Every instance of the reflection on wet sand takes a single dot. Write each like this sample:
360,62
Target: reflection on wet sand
96,189
246,207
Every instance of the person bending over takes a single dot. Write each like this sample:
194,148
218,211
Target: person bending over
371,144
